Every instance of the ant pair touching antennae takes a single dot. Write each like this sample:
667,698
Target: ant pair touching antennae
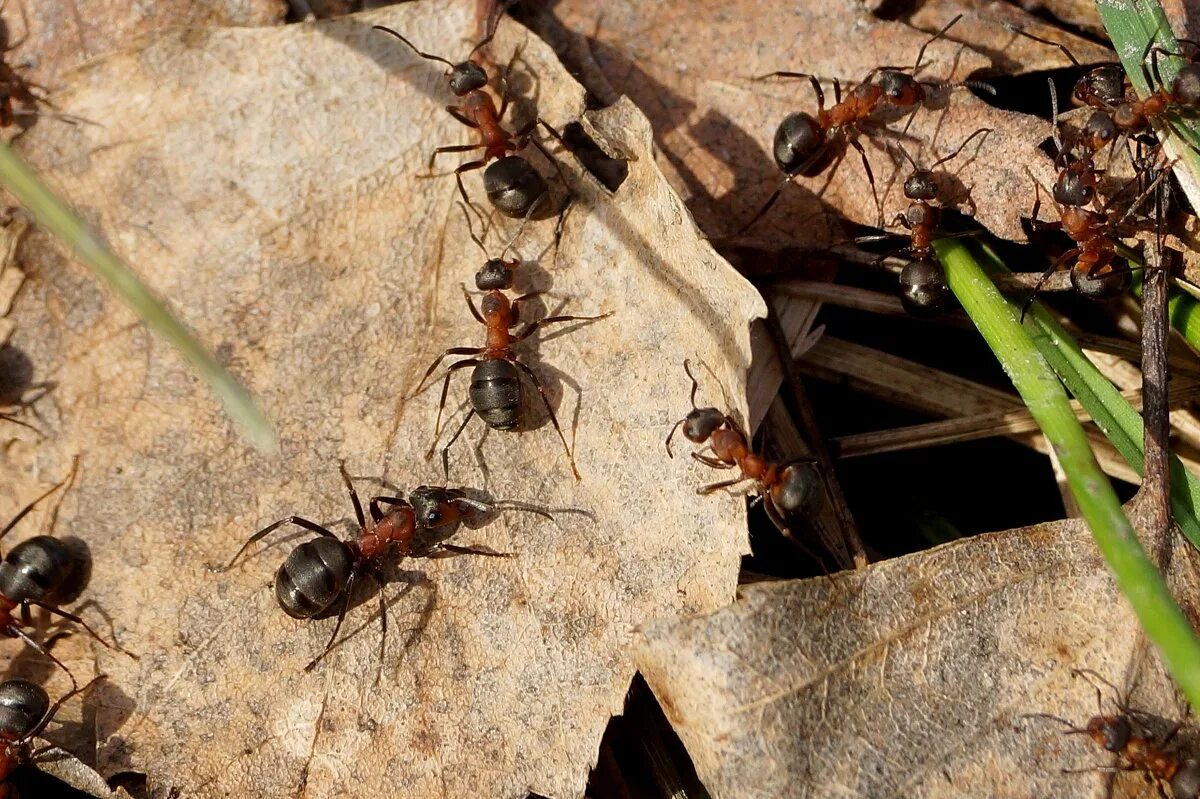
322,573
807,145
495,391
512,185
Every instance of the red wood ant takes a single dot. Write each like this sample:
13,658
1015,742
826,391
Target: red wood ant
495,391
807,145
15,89
1116,734
25,710
923,289
34,573
785,489
324,571
512,184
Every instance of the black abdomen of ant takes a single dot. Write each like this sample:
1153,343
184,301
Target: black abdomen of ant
313,577
22,705
513,186
495,393
35,569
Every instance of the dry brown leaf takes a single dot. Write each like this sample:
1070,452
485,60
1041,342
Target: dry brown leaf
269,182
911,678
714,124
54,37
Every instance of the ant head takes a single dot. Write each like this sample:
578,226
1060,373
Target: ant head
923,289
1105,284
1185,784
1100,129
1185,87
799,488
22,706
1105,83
920,185
1073,188
1111,732
495,274
798,139
433,506
700,423
466,77
901,88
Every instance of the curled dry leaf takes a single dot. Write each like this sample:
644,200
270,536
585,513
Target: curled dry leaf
913,677
691,67
271,183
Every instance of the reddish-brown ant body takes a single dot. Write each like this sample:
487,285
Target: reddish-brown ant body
495,391
33,574
923,289
1119,735
324,571
512,184
786,489
25,710
807,145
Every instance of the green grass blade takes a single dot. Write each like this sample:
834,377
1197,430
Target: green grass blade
58,218
1111,412
1031,374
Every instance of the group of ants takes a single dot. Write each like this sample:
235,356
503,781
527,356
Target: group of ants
322,575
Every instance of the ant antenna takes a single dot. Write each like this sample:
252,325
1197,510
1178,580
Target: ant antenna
520,229
961,147
907,157
932,39
1022,32
471,230
25,510
687,367
493,23
413,47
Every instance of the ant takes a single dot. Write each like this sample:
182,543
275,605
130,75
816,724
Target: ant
513,186
1116,734
322,572
1101,87
923,289
15,88
785,489
495,391
807,145
25,710
34,573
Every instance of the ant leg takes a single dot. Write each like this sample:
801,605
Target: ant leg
781,525
713,461
549,410
1054,267
471,304
10,418
71,617
443,550
437,425
550,320
766,207
453,148
837,91
504,91
457,113
1021,32
377,511
382,630
358,511
932,39
870,179
708,489
516,304
782,74
450,443
53,709
21,514
16,632
341,617
462,190
447,354
299,521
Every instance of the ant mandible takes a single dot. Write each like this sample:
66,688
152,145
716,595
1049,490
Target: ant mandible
34,573
786,489
512,184
806,145
495,391
923,289
1116,734
323,571
25,710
